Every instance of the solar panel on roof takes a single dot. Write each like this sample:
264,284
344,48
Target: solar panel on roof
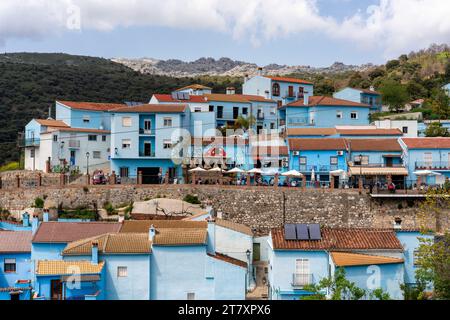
314,232
302,232
289,232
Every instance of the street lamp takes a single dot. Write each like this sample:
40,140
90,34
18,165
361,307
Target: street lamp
87,162
248,253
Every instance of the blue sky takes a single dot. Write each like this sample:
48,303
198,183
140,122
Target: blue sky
300,32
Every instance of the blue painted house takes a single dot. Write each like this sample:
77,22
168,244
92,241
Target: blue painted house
365,96
296,260
15,265
427,154
143,139
324,112
318,158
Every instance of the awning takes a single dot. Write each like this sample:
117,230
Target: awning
81,278
378,171
346,259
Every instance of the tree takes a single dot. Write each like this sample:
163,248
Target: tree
433,256
439,103
376,73
392,64
435,129
394,95
244,123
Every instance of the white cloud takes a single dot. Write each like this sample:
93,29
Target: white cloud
395,26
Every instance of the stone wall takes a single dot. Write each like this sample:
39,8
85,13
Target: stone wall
261,208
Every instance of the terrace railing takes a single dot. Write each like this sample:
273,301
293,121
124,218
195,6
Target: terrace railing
435,165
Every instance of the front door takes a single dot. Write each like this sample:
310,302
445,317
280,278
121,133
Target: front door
56,290
147,149
389,162
72,157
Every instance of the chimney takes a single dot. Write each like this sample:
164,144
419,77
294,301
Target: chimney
231,90
152,233
26,219
121,217
260,71
372,88
398,224
34,224
94,251
211,236
45,215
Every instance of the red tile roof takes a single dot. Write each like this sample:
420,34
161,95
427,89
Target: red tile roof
51,123
169,98
63,232
311,131
370,132
69,129
341,239
374,145
317,144
93,106
259,152
15,241
326,101
427,143
153,108
228,259
285,79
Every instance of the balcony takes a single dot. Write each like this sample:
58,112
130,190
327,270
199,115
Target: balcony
32,142
147,154
74,144
296,121
376,165
146,132
320,168
436,165
300,280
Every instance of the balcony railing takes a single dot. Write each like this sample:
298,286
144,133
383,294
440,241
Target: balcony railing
32,142
323,168
376,165
299,121
301,279
145,131
74,144
147,154
436,165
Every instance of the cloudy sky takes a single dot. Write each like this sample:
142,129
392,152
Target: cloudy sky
306,32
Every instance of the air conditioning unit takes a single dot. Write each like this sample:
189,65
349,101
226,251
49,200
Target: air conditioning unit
340,153
285,159
296,153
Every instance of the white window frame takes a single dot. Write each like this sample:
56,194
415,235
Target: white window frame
356,115
166,122
428,158
167,144
126,143
339,114
91,136
55,138
190,296
127,122
86,119
122,272
334,160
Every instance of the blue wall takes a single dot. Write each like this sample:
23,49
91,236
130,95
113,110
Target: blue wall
23,269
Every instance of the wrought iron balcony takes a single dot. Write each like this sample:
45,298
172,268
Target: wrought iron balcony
147,154
299,121
435,165
301,279
146,131
320,168
32,142
376,165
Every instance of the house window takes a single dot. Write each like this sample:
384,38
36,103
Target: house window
167,144
96,154
86,119
55,138
167,122
302,160
354,115
191,296
92,137
291,91
244,111
211,108
103,138
126,122
339,114
361,160
124,171
198,109
302,272
126,144
272,125
273,111
276,89
333,161
122,272
9,266
219,112
301,92
279,104
428,159
32,153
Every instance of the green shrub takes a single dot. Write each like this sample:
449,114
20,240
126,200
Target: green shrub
110,210
39,203
191,199
11,166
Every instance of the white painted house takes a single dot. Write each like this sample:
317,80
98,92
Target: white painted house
409,128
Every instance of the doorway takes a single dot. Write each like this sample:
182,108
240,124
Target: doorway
147,149
389,162
149,175
56,290
256,251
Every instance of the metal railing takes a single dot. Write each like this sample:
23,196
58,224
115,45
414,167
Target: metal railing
32,142
301,279
303,121
321,168
147,154
376,165
145,131
435,165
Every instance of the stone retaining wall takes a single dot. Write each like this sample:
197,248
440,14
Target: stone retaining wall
261,208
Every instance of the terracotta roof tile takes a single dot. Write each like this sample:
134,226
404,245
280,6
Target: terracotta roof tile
369,132
93,106
238,227
143,226
169,98
180,236
15,241
341,239
152,108
427,143
64,232
374,145
112,243
317,144
51,123
195,87
259,152
243,98
326,101
61,267
286,79
228,259
345,259
311,132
